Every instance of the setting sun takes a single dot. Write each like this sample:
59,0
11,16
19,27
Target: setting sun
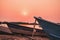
25,12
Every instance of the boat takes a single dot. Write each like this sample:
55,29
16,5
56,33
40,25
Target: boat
19,29
51,29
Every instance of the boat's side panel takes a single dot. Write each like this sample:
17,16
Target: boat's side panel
10,25
53,30
24,30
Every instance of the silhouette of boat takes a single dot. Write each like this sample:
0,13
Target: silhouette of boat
52,29
19,29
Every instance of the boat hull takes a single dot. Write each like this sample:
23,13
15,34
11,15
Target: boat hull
52,29
25,30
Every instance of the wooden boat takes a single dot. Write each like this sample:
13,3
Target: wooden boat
52,29
19,29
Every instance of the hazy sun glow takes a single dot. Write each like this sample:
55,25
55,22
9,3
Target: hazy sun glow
25,12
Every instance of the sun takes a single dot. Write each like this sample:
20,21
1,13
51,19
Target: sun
25,12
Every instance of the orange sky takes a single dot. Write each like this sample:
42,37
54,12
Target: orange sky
25,10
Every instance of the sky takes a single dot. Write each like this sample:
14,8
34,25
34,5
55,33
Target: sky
25,10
